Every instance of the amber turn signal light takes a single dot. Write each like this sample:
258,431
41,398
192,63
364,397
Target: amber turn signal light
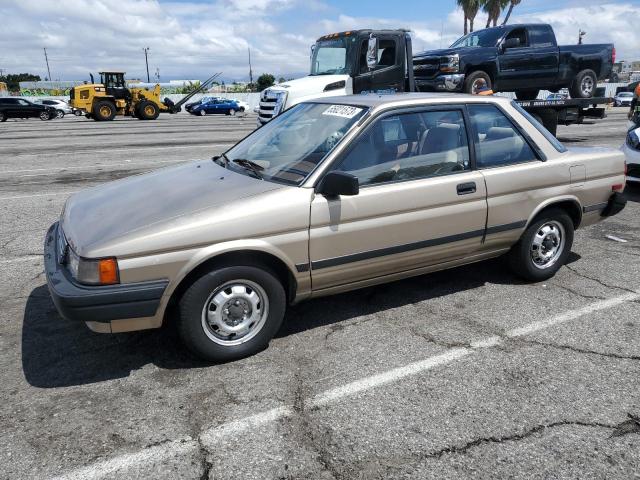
108,271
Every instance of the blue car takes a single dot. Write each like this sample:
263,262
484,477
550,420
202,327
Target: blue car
217,105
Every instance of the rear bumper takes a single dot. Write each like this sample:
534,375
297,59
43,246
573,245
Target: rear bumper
615,205
84,303
441,83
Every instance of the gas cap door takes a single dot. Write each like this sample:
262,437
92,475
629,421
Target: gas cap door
578,174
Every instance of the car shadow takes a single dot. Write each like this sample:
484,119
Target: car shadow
632,192
60,353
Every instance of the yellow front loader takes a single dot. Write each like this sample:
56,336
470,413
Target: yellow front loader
103,101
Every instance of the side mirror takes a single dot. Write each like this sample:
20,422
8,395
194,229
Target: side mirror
338,183
372,52
510,43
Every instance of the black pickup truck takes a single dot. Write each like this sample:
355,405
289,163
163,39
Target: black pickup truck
521,58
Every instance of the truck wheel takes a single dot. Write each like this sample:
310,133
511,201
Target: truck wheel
471,81
527,94
3,117
77,113
584,85
104,110
231,312
544,246
148,110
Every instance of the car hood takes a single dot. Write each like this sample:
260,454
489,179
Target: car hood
311,86
98,215
446,51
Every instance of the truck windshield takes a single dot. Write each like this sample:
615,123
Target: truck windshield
289,147
331,56
482,38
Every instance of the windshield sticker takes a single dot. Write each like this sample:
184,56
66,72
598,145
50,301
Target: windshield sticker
344,111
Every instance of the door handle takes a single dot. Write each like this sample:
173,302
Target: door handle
466,188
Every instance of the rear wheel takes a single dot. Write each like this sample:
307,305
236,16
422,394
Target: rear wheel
104,110
148,110
59,114
584,85
472,81
231,312
544,246
527,94
3,117
202,113
45,115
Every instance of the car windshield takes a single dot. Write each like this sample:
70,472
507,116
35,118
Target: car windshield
289,147
331,56
482,38
625,94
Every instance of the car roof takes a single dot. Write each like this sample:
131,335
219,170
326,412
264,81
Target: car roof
376,101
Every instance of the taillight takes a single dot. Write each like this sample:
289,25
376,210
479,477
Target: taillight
618,187
613,55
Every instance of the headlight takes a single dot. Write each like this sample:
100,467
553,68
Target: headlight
335,86
450,63
103,271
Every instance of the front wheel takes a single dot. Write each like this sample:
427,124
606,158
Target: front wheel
231,313
45,116
202,113
544,246
59,114
473,81
232,112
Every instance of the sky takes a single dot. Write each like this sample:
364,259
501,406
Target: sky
192,39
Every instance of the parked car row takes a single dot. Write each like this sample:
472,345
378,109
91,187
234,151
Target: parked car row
15,107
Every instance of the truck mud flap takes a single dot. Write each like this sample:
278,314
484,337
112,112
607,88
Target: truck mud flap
616,203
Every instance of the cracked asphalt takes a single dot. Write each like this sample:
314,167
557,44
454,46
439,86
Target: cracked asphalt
558,401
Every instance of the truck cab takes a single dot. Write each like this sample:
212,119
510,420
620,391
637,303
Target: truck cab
345,63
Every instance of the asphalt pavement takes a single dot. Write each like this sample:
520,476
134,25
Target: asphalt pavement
464,373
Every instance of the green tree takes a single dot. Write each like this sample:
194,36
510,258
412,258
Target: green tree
512,4
265,81
281,80
13,80
493,9
470,9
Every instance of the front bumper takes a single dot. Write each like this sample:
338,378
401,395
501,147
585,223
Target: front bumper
85,303
441,83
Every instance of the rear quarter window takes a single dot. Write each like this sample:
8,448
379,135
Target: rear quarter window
546,133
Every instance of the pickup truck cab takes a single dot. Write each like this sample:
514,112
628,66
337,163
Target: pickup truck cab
520,58
332,195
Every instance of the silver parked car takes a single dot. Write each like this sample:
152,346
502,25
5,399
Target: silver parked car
62,107
623,99
332,195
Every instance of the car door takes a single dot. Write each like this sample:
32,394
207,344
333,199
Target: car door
514,63
25,109
388,73
420,203
544,55
516,177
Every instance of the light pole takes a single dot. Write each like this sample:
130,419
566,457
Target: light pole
146,60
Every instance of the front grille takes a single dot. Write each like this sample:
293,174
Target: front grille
271,104
426,67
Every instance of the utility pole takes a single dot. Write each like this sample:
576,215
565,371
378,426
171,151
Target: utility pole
146,60
250,71
46,59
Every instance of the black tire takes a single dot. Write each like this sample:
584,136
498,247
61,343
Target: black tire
59,114
520,257
3,117
104,110
44,116
232,112
195,299
470,80
527,94
584,85
147,110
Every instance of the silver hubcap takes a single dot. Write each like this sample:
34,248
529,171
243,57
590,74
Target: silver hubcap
44,115
235,312
203,113
475,85
587,85
548,244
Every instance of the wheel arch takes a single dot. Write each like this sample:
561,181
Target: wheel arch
569,204
251,256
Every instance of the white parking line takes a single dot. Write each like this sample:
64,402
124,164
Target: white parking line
118,150
44,171
17,197
211,437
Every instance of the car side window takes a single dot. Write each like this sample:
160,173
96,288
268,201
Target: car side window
541,36
497,140
23,102
386,55
520,34
409,146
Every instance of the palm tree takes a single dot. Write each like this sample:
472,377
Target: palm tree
493,8
512,4
470,9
